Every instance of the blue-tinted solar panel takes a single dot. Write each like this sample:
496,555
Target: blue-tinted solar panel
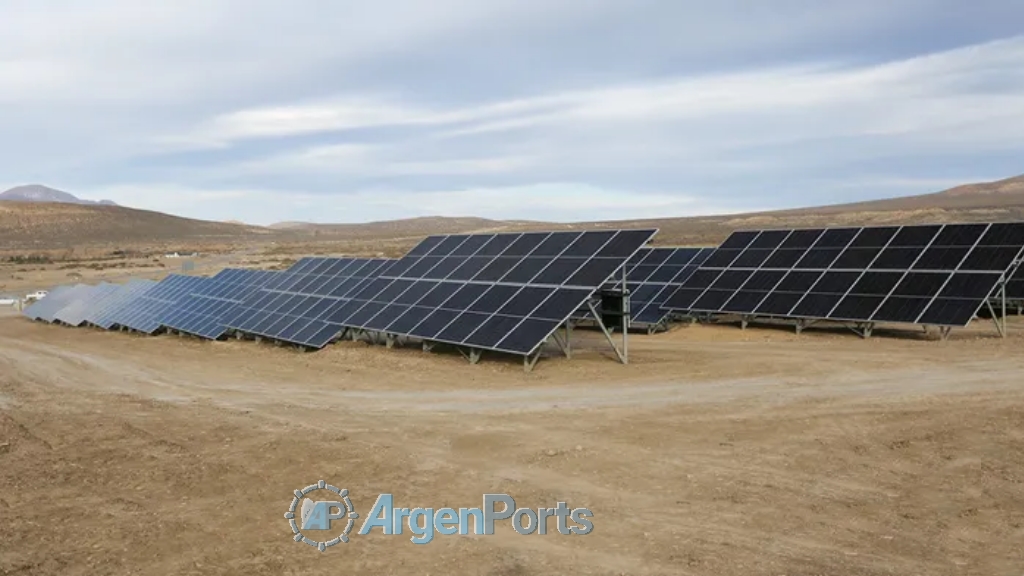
57,299
144,312
103,314
74,313
204,311
298,305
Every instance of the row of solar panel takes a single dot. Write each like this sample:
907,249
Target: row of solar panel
515,305
930,274
314,300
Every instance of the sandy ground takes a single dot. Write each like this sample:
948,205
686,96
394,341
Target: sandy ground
717,451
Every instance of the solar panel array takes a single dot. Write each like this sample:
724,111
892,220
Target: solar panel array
73,314
654,274
1015,287
298,305
501,292
103,314
144,314
57,299
202,312
509,292
931,274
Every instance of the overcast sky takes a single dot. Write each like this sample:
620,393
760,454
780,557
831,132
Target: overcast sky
348,111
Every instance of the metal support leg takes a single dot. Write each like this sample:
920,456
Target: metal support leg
944,332
427,346
745,321
608,336
562,344
474,355
568,338
999,321
389,341
800,325
529,363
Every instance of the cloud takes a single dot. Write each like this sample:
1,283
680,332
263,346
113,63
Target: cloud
615,107
550,201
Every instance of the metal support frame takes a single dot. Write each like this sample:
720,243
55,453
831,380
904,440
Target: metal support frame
530,361
944,332
999,319
428,346
389,341
471,354
622,354
745,321
564,343
862,329
801,324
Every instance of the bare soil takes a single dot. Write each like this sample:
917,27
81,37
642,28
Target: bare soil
716,451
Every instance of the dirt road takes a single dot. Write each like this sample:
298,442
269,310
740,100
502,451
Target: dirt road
717,451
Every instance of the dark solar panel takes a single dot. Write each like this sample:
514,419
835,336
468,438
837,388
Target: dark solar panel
1015,287
203,312
932,274
502,292
653,274
300,305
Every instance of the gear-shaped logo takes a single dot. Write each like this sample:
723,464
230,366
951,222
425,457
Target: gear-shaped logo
318,515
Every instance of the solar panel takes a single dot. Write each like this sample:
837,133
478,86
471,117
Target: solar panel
102,315
653,275
297,305
45,308
143,313
929,274
501,292
202,312
1015,287
73,314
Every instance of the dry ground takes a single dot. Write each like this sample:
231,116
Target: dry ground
717,452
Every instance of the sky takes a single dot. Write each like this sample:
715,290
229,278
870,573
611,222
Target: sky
564,110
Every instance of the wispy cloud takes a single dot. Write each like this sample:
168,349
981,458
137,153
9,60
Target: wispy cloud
577,109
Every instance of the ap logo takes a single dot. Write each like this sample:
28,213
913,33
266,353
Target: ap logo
319,515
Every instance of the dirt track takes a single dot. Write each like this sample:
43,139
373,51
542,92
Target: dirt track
717,451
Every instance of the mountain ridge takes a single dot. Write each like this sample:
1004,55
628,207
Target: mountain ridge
41,193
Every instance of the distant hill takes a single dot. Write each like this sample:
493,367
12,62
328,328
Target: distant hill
53,225
405,228
40,193
1001,200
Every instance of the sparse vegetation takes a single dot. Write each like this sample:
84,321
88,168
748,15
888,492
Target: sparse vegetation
30,259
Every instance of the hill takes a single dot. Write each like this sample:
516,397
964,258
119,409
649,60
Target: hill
405,228
31,225
1001,200
51,225
40,193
